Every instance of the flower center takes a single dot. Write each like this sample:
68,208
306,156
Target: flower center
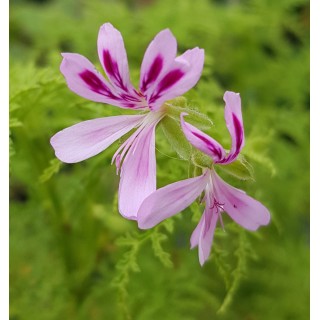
217,205
150,119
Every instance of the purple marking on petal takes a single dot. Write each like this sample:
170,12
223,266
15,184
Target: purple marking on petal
239,139
168,81
131,106
95,84
113,70
238,143
129,98
238,132
139,93
153,73
210,146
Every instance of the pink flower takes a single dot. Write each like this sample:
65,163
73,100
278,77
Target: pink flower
218,195
163,77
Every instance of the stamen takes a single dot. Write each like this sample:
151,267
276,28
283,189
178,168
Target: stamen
149,120
219,208
118,162
217,205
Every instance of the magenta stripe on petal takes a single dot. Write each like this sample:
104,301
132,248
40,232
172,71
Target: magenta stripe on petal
181,76
237,143
113,57
166,83
153,73
157,60
210,146
233,118
202,141
130,98
112,70
170,79
95,84
239,132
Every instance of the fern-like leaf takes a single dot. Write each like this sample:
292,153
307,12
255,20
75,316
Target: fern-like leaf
54,168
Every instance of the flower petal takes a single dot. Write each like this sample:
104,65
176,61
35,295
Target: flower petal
206,237
138,173
88,138
194,240
113,57
83,79
169,200
182,75
233,118
244,210
202,235
159,56
195,58
202,141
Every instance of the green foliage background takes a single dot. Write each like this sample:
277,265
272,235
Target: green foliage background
72,256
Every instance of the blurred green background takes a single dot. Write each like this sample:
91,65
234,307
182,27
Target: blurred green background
72,256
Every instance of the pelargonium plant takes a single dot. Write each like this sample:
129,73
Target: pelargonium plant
218,195
163,77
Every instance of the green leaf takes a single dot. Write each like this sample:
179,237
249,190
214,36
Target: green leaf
240,169
14,122
11,148
257,150
128,240
200,159
196,211
195,118
168,225
264,160
14,107
54,167
238,273
220,258
164,257
176,138
32,78
178,102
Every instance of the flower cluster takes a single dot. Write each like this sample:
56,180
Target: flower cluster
163,77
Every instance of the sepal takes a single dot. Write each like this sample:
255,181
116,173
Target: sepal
177,106
176,137
240,169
